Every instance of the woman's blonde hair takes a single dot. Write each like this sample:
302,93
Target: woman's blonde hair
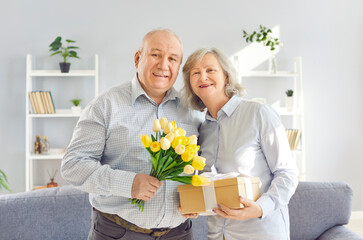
232,87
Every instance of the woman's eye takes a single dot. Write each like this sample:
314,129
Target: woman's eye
210,70
195,73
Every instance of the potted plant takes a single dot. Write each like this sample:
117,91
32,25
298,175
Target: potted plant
4,181
264,35
76,109
66,51
289,100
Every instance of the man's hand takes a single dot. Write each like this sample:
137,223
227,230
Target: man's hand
144,186
251,210
189,215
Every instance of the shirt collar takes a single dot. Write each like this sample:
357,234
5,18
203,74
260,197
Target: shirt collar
138,91
228,108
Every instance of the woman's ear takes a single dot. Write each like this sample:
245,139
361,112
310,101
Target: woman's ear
226,81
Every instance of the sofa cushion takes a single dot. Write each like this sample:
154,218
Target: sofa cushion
316,207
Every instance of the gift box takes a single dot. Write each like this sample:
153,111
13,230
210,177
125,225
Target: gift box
224,191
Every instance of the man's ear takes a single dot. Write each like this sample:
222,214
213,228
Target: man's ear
137,58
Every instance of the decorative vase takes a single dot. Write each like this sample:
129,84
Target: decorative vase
273,64
289,103
52,183
64,67
76,110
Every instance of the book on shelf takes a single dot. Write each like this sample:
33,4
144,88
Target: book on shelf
51,102
42,102
293,136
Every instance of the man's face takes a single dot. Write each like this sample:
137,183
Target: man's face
158,63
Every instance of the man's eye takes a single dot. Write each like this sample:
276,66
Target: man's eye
173,59
154,55
210,70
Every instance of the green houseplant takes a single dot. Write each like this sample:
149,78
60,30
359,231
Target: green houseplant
4,181
264,36
66,51
76,109
289,100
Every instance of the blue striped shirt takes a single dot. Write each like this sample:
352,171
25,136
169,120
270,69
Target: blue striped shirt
106,153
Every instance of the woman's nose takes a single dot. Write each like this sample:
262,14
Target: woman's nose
203,76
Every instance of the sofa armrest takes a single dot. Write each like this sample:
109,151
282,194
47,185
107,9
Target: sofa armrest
339,232
318,206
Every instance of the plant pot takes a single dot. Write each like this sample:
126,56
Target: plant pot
64,67
289,103
76,110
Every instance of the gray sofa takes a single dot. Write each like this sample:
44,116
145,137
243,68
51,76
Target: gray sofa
317,211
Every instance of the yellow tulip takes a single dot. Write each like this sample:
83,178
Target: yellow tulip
155,146
193,139
180,140
198,163
176,132
200,181
181,131
188,169
156,125
170,137
193,148
163,122
146,140
165,143
174,124
168,128
180,149
187,156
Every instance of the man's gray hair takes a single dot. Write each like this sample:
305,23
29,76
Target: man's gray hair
156,30
232,87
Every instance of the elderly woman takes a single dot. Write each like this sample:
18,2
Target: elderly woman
243,136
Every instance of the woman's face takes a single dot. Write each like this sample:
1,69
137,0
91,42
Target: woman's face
208,79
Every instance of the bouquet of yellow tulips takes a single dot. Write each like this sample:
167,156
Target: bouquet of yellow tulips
172,153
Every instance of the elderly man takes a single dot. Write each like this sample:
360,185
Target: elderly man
107,159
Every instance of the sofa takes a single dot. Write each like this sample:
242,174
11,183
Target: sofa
318,210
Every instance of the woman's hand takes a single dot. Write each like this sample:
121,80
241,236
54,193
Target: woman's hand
189,215
251,210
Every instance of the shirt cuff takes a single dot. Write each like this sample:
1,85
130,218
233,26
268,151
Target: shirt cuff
266,204
122,183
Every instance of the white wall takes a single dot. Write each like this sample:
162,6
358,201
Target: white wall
327,34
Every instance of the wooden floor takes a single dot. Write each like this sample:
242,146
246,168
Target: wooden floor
356,223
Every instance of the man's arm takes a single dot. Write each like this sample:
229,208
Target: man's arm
81,165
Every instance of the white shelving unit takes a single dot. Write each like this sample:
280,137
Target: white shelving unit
54,153
297,114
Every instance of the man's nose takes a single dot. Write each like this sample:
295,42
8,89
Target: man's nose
164,63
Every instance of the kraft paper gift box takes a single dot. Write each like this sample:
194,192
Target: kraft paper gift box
226,191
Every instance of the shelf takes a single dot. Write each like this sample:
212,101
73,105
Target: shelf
54,153
57,73
270,74
58,113
32,120
283,112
